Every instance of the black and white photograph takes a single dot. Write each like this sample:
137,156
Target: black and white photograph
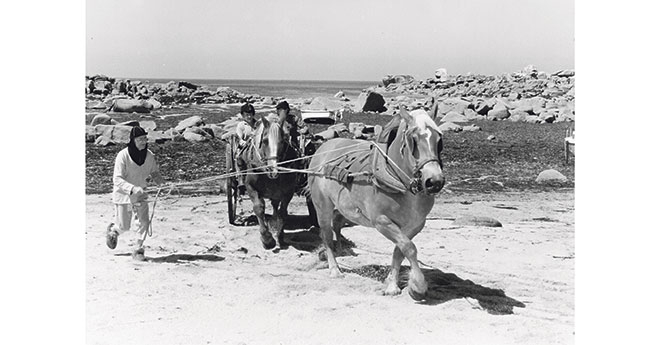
329,172
344,172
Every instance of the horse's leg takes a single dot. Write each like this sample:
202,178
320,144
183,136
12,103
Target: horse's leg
338,221
324,209
392,280
283,214
277,224
259,208
417,285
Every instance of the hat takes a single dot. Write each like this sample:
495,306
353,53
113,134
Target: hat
247,108
137,131
283,105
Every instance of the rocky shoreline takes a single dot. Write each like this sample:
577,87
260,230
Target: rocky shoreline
526,96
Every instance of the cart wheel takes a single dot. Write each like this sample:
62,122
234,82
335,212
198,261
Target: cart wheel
231,186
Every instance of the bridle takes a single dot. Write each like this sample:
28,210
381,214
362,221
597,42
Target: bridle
415,184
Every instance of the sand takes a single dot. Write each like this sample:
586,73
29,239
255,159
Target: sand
208,282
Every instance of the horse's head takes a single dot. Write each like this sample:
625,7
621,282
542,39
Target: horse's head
421,144
270,145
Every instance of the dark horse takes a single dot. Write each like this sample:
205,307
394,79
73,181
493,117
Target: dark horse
265,179
412,148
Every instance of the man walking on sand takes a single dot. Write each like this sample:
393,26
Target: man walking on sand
132,167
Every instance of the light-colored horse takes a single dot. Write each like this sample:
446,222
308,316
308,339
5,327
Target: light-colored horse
268,148
414,149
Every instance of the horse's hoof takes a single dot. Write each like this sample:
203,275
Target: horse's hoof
336,274
417,296
392,290
268,243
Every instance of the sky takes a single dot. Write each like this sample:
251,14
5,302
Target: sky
325,40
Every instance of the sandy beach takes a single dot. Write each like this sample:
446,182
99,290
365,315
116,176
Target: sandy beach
208,282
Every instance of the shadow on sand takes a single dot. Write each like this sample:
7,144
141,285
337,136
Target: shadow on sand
443,287
179,258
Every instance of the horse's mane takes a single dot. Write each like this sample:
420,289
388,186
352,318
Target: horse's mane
390,130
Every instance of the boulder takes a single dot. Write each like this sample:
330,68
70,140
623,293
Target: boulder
159,136
499,112
450,127
188,85
103,119
454,116
564,73
126,105
193,121
370,101
155,104
217,130
148,125
550,176
477,221
397,79
96,105
340,94
518,115
532,119
441,74
548,116
471,128
196,134
112,134
90,134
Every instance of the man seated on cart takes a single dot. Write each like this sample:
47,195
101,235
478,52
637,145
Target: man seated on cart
244,132
293,125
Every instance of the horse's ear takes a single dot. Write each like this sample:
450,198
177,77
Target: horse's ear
406,116
433,112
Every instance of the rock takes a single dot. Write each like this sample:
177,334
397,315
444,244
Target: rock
454,116
103,119
471,128
131,123
217,130
499,112
158,137
188,85
126,105
518,115
193,121
484,107
450,126
491,137
550,176
112,134
340,94
98,105
530,70
477,221
371,101
532,119
90,134
548,116
397,79
148,125
155,104
470,114
564,73
441,74
196,134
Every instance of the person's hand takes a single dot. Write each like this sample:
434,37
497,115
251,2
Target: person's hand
137,191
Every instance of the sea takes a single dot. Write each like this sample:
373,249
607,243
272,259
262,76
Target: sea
281,88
